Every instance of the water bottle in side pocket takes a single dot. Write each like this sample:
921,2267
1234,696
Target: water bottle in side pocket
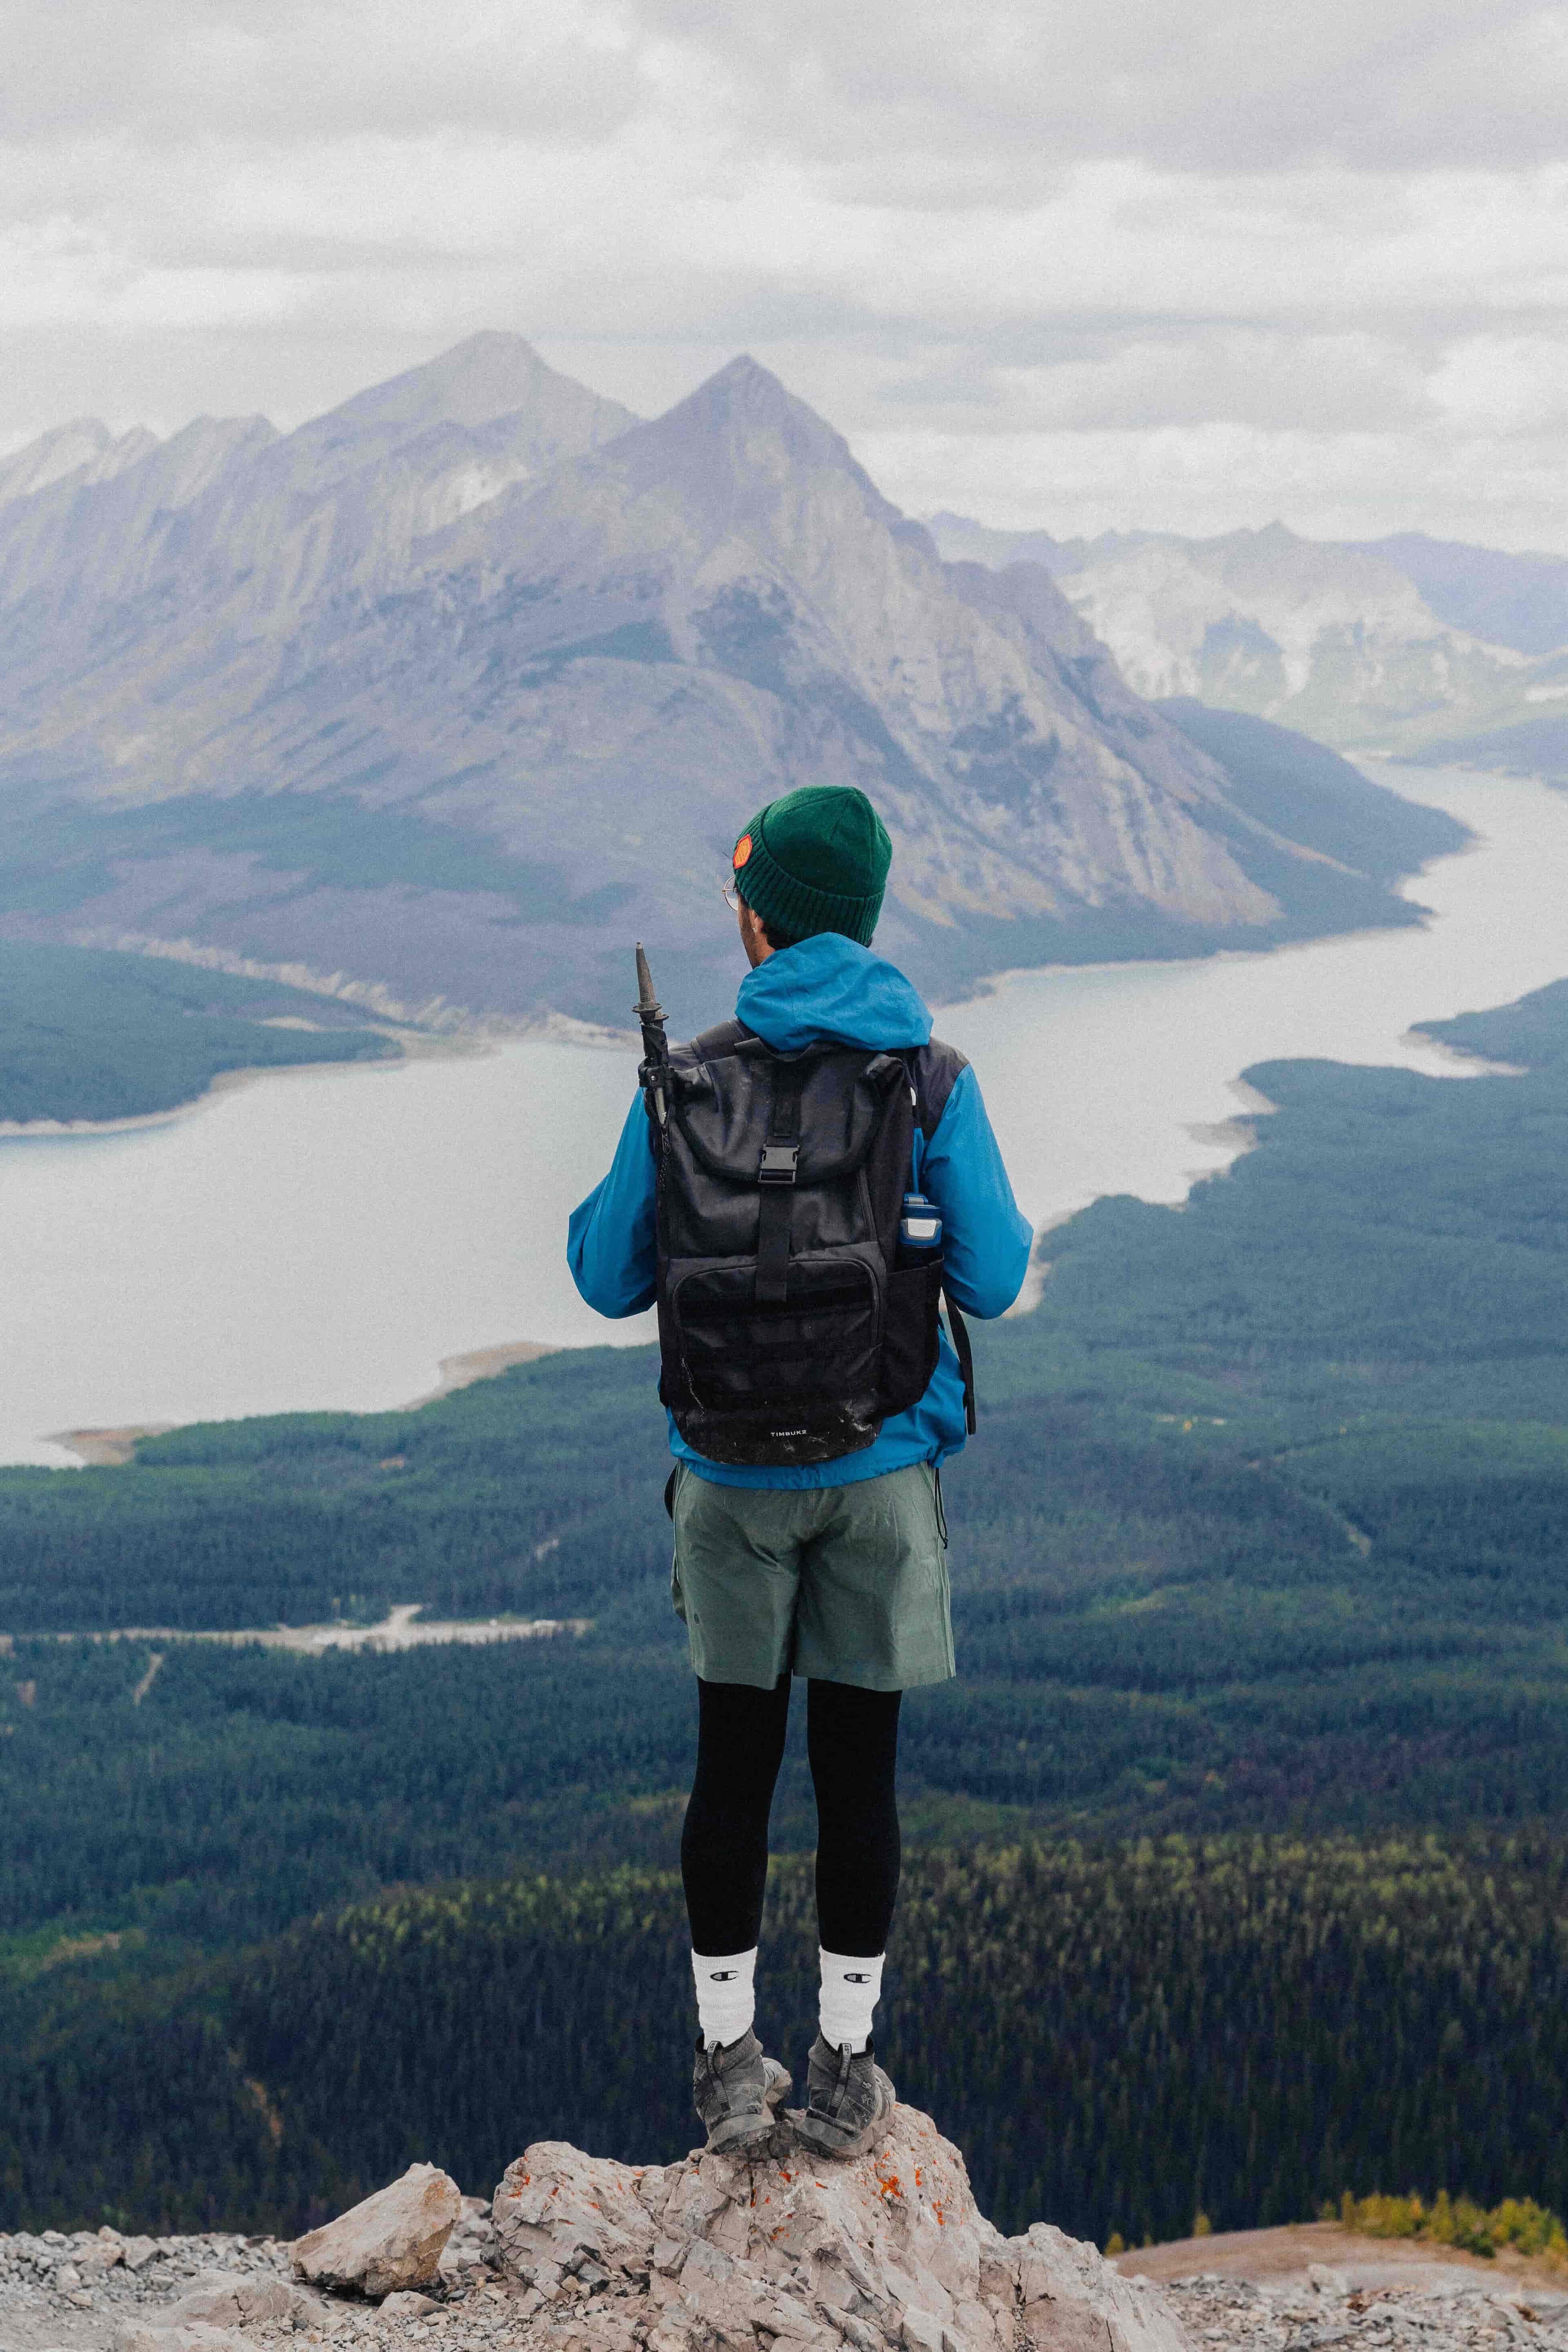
919,1232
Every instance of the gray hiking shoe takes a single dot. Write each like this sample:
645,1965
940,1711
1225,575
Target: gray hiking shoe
849,2101
737,2091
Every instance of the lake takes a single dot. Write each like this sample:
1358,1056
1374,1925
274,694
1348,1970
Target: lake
325,1238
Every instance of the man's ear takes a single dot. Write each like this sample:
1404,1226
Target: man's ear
753,939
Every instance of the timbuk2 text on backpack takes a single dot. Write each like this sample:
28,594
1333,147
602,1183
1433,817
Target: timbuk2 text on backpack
788,1332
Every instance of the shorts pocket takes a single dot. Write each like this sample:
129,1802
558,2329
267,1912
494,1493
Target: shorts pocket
671,1490
937,1504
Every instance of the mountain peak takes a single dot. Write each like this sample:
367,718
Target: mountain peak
488,376
491,381
743,392
54,454
745,372
485,376
743,435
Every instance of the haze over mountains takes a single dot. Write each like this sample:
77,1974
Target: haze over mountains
1411,645
454,691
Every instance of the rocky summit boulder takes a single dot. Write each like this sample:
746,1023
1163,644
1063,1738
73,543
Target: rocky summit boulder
888,2251
390,2243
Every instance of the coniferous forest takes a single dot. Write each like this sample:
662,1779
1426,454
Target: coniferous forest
1236,1859
1121,2040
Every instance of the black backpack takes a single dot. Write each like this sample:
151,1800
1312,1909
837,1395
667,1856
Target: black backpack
787,1332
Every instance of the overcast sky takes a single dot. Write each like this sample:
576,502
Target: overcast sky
1187,265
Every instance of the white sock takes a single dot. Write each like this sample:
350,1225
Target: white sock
851,1989
726,2000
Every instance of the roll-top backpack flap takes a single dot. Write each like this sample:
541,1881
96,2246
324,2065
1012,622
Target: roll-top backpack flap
724,1108
705,1209
833,1162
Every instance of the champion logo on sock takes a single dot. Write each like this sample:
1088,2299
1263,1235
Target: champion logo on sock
723,1976
850,1978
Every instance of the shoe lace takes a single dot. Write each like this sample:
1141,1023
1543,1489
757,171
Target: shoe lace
708,2074
840,2091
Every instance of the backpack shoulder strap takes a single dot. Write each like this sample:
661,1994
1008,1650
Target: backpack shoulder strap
934,1071
712,1045
959,1331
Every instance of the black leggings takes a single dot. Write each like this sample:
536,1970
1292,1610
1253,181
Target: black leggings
852,1741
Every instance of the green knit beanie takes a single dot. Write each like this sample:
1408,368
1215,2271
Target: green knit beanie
815,861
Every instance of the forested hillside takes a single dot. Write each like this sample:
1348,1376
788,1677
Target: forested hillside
88,1035
1118,2041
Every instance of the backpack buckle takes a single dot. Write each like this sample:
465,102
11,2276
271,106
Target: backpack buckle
778,1163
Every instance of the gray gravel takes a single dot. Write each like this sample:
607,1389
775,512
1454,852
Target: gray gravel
1435,2309
76,2290
96,2291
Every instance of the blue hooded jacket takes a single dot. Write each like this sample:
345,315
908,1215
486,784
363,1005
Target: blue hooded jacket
828,989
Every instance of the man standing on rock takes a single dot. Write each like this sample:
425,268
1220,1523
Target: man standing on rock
802,1191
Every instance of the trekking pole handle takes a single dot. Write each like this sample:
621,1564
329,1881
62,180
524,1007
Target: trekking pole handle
652,1077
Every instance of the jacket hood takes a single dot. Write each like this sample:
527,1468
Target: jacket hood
828,989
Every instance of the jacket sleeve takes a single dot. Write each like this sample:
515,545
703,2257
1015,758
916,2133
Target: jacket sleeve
985,1241
611,1242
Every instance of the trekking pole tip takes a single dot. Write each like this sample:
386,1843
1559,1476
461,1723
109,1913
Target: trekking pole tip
647,1002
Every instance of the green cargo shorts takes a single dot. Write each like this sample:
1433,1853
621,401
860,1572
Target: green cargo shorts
846,1584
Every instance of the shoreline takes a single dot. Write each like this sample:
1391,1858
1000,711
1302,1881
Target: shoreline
113,1449
994,984
490,1037
486,1033
455,1372
415,1045
108,1449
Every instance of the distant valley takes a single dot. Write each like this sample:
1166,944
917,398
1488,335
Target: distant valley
439,700
1257,1601
1417,647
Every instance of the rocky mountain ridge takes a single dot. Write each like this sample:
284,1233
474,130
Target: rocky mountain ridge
888,2253
85,449
577,2254
1379,645
426,691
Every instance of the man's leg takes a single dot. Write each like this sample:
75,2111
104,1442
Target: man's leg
852,1738
724,1866
724,1844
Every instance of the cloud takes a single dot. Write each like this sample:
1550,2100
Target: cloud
1236,84
1161,251
1515,381
182,73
